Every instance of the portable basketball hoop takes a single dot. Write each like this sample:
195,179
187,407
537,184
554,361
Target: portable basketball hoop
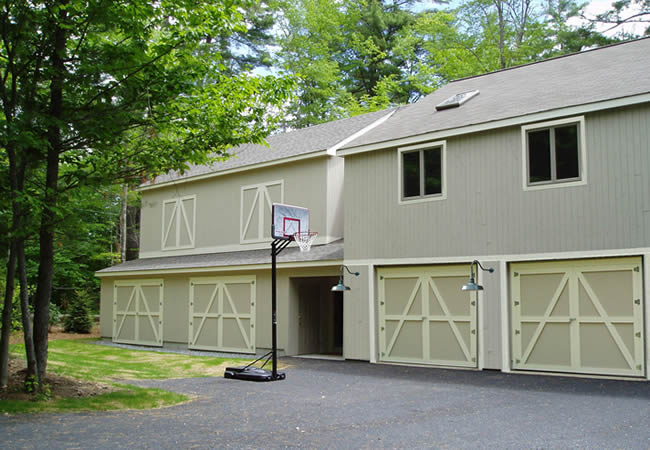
304,239
289,224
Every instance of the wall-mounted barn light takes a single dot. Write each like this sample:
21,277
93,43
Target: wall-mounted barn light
342,287
472,286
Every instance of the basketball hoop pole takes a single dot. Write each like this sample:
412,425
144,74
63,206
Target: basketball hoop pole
276,247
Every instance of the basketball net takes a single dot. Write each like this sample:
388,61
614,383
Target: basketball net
304,239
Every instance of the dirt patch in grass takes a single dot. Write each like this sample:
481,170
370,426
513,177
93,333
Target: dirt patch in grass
59,386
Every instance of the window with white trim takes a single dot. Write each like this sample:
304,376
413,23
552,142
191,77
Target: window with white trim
554,152
178,223
422,172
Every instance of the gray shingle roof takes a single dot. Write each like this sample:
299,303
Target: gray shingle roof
606,73
327,252
293,143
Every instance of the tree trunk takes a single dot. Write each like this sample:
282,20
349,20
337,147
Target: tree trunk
124,225
133,232
502,34
6,318
24,307
48,216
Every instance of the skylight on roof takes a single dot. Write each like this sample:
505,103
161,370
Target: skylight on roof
457,100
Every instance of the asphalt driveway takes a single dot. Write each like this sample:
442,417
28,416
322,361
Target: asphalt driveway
332,404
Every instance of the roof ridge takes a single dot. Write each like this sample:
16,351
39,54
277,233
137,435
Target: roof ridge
520,66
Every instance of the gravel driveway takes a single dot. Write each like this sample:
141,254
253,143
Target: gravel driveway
335,404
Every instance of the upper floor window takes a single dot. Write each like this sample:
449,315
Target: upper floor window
554,153
422,172
178,223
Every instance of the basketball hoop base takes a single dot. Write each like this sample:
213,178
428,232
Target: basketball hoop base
252,374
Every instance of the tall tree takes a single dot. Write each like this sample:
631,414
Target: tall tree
625,13
344,51
98,91
310,34
567,38
248,47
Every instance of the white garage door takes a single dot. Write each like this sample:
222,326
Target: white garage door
222,314
138,312
583,316
425,318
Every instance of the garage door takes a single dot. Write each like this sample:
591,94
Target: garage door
425,318
222,314
138,312
583,316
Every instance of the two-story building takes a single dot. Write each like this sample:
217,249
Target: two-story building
203,279
540,171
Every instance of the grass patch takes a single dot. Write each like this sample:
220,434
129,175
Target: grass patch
84,360
127,397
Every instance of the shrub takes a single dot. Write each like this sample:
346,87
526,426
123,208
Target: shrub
16,315
78,318
55,316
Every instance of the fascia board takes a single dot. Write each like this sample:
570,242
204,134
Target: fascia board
332,150
185,270
512,121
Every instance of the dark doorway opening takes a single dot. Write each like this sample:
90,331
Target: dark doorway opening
320,317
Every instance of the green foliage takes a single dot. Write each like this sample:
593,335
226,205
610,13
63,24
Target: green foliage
356,56
78,319
85,243
126,397
83,359
344,53
16,316
41,391
55,315
145,90
626,12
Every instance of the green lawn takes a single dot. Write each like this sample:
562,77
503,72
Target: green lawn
82,359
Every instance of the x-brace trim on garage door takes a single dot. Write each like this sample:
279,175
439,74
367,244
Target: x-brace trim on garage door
592,323
136,308
447,317
214,313
417,321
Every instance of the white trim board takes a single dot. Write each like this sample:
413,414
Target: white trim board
548,256
443,172
263,245
512,121
180,220
287,265
506,353
332,150
262,202
646,289
372,323
582,154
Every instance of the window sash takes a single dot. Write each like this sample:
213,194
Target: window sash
553,156
421,174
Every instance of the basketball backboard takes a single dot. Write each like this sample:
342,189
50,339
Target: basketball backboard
288,220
